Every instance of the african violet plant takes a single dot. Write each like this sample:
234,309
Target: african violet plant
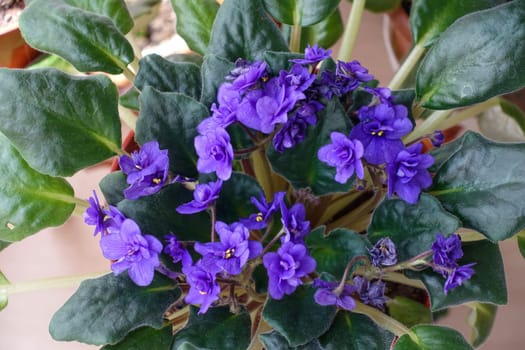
279,198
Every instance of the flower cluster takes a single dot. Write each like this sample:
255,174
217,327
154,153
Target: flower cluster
278,107
446,252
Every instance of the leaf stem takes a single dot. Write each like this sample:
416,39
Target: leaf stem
351,30
263,173
382,320
295,34
128,73
48,283
407,67
468,113
430,124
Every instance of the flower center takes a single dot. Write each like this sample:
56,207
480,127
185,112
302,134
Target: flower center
259,217
229,253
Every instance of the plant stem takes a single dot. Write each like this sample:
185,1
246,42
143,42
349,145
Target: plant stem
213,219
351,30
295,34
407,67
430,124
48,283
263,173
128,73
468,113
383,320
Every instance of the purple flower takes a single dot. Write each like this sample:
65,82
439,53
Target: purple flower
447,250
204,289
234,249
345,155
265,211
380,130
349,75
114,219
457,276
408,174
294,223
437,138
94,214
226,113
370,293
204,196
286,267
146,170
313,55
215,153
248,74
328,294
298,78
132,251
173,248
384,253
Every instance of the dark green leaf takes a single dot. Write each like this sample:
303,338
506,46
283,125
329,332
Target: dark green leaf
59,123
114,9
112,186
214,71
481,319
194,22
514,112
300,12
406,98
325,33
278,61
167,76
89,41
234,201
3,291
275,340
408,311
381,5
483,183
413,228
144,339
156,215
333,251
521,243
171,119
243,30
486,285
186,57
218,328
429,337
4,244
30,201
429,18
130,99
351,331
300,164
103,310
304,319
471,62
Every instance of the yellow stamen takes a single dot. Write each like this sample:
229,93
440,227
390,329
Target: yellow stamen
156,181
229,253
259,217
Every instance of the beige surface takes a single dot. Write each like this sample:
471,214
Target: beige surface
71,249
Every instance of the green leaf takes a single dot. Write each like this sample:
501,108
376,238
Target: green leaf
214,71
30,201
89,41
3,291
352,331
167,76
156,215
194,22
112,186
171,119
333,251
144,339
325,33
521,242
234,201
300,12
103,310
482,183
4,244
408,311
218,328
59,123
381,5
280,60
427,337
130,99
275,340
300,164
470,62
413,228
481,319
116,10
429,18
304,319
486,285
243,30
513,111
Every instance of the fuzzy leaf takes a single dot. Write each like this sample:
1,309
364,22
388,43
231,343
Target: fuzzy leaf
300,12
481,319
428,337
